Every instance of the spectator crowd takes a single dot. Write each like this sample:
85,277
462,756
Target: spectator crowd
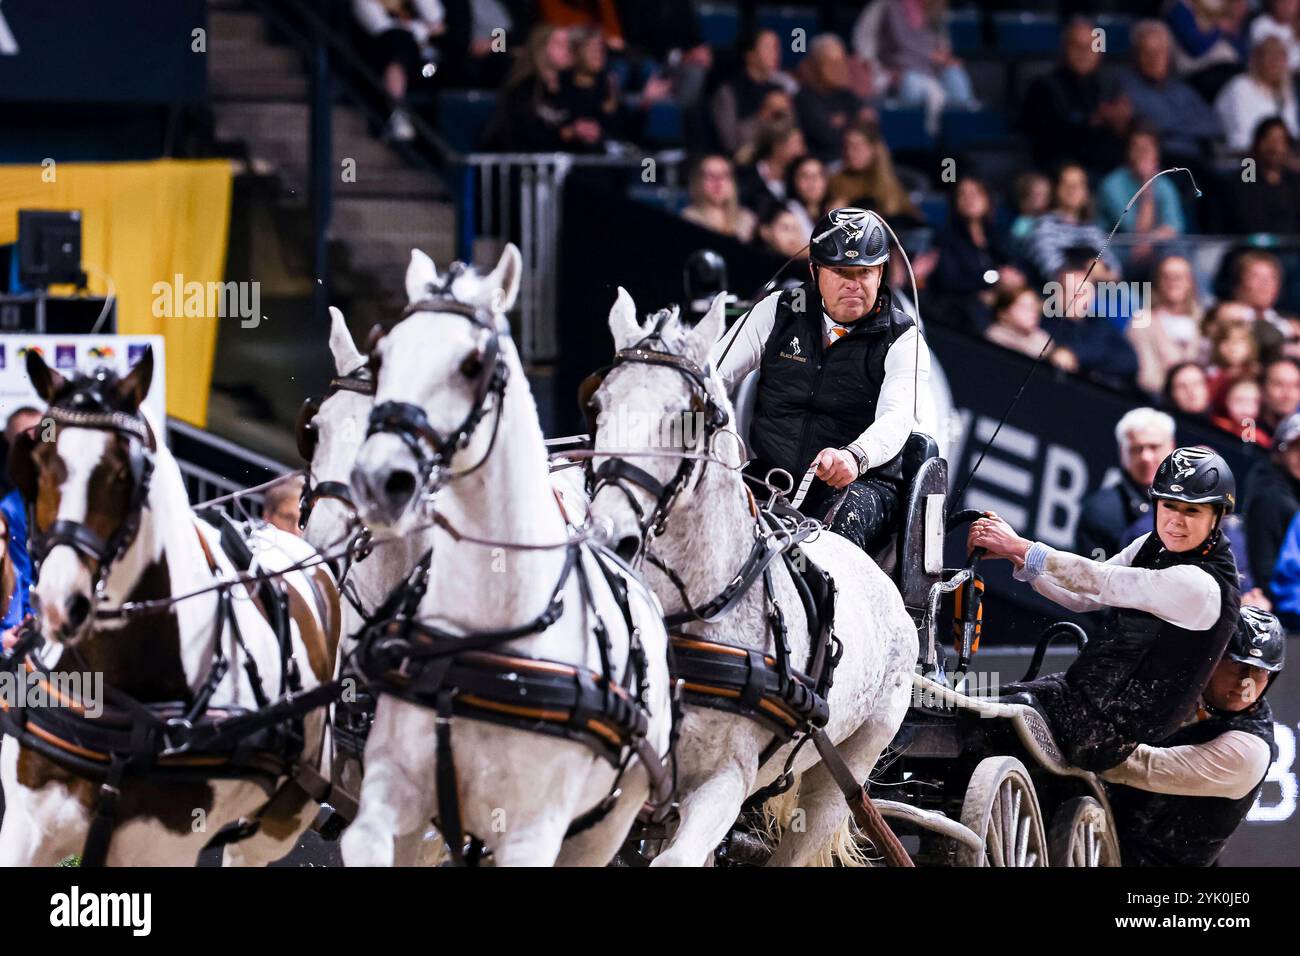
1189,311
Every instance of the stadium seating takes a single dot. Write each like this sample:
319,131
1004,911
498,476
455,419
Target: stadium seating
785,20
719,23
964,31
463,117
904,129
1026,34
964,128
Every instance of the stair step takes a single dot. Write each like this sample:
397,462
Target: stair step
235,26
393,216
388,182
263,59
254,87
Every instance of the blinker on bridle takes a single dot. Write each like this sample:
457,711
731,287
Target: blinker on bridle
619,473
77,535
360,381
434,451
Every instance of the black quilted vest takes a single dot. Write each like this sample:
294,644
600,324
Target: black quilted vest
812,397
1145,675
1158,829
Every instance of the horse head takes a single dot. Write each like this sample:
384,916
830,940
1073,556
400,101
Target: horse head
86,471
441,374
659,403
330,433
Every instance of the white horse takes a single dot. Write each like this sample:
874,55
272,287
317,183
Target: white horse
83,479
709,531
519,790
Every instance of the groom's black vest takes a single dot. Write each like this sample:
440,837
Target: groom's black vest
812,397
1161,829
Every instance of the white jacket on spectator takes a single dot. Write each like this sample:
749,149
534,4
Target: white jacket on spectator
1265,26
374,17
1244,102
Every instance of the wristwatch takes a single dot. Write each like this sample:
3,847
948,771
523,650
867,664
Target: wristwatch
860,456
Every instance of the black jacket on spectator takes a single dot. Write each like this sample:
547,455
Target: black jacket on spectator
958,277
753,192
1258,206
1106,515
1272,500
1055,115
824,117
529,117
660,27
1103,352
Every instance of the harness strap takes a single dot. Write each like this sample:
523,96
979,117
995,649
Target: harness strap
865,813
94,852
449,821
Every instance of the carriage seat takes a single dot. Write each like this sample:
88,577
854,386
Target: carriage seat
914,557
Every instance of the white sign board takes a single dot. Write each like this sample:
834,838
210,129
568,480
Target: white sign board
68,354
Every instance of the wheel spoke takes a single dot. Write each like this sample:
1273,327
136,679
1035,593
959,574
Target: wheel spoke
993,838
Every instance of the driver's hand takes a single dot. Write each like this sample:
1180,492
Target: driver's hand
836,467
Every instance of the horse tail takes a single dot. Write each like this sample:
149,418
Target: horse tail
845,847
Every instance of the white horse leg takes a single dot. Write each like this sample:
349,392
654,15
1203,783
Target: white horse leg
24,843
536,845
412,849
821,801
707,813
398,784
599,845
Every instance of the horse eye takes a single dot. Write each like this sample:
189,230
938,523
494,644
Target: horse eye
472,365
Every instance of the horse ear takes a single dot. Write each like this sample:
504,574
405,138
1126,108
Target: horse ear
131,391
344,350
421,276
705,335
504,281
45,380
622,320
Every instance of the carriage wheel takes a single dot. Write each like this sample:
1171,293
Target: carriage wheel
1081,835
1001,807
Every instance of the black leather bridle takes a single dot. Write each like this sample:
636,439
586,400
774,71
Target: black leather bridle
434,451
91,410
619,473
362,382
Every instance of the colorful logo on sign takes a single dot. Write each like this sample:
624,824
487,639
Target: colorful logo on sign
102,352
65,356
4,359
22,353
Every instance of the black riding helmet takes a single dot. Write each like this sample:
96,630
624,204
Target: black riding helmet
1196,476
1258,640
849,236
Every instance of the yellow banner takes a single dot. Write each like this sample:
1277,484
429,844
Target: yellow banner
143,224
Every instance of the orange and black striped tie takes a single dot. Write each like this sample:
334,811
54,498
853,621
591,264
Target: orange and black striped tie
836,332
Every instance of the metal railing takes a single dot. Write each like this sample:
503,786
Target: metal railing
213,467
518,197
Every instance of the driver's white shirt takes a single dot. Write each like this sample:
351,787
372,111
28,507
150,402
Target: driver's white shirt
907,373
1184,595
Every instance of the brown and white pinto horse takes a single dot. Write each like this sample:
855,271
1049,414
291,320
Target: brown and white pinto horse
107,531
